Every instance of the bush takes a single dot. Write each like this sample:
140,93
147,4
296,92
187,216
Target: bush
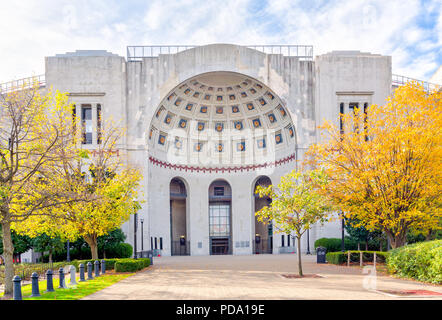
334,244
131,265
367,256
120,250
421,261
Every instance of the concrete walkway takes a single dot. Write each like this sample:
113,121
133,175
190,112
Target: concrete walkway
253,277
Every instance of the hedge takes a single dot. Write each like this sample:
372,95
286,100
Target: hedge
131,265
367,256
421,261
335,244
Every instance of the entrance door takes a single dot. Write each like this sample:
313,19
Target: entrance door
219,227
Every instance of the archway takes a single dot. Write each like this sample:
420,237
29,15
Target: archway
178,221
263,231
220,217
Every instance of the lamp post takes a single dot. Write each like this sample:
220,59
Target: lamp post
135,235
68,255
308,242
342,230
142,235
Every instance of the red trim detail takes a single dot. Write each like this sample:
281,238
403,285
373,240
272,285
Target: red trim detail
247,168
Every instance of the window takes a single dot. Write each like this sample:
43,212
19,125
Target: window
354,106
365,121
86,119
74,119
341,119
218,191
98,123
219,220
282,240
161,243
156,244
288,240
151,243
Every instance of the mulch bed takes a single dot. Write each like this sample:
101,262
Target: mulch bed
297,276
405,293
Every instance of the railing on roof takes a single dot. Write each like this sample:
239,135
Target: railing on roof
398,80
137,53
25,83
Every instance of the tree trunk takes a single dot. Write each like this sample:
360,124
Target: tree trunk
366,245
359,246
50,256
396,241
299,256
8,254
92,242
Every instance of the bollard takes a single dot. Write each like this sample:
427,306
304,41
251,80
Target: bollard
97,268
82,272
61,276
72,271
49,282
374,260
348,258
360,259
89,271
35,290
103,266
17,288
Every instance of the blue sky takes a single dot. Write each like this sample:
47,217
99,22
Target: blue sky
408,30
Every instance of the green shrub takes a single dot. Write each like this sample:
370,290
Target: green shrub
367,256
335,244
120,250
131,265
421,261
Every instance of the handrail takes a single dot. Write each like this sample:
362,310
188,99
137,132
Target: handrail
398,80
137,53
24,83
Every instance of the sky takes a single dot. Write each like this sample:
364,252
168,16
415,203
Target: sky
408,30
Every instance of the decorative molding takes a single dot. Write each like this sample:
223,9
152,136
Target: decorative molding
86,94
247,168
354,93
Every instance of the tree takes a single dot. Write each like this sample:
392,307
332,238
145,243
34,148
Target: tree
110,240
107,183
33,127
384,163
360,233
296,205
43,243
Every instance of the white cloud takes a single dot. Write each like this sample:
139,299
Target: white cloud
31,30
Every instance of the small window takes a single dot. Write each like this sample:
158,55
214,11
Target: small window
86,118
161,243
282,240
288,240
218,191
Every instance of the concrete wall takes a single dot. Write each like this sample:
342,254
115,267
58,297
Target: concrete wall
130,92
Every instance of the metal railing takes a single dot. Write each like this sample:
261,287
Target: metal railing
24,83
137,53
398,80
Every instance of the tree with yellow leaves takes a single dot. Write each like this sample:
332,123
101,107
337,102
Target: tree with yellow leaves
110,186
33,128
296,204
384,163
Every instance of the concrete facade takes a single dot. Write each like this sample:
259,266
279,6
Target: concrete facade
262,112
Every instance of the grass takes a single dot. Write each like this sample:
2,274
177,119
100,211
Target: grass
81,290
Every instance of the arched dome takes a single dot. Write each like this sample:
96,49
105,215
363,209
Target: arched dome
221,118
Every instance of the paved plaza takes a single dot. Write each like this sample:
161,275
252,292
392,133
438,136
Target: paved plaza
254,277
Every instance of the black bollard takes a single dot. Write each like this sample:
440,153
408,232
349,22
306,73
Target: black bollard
49,283
61,275
17,288
97,268
81,272
103,266
35,289
89,271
